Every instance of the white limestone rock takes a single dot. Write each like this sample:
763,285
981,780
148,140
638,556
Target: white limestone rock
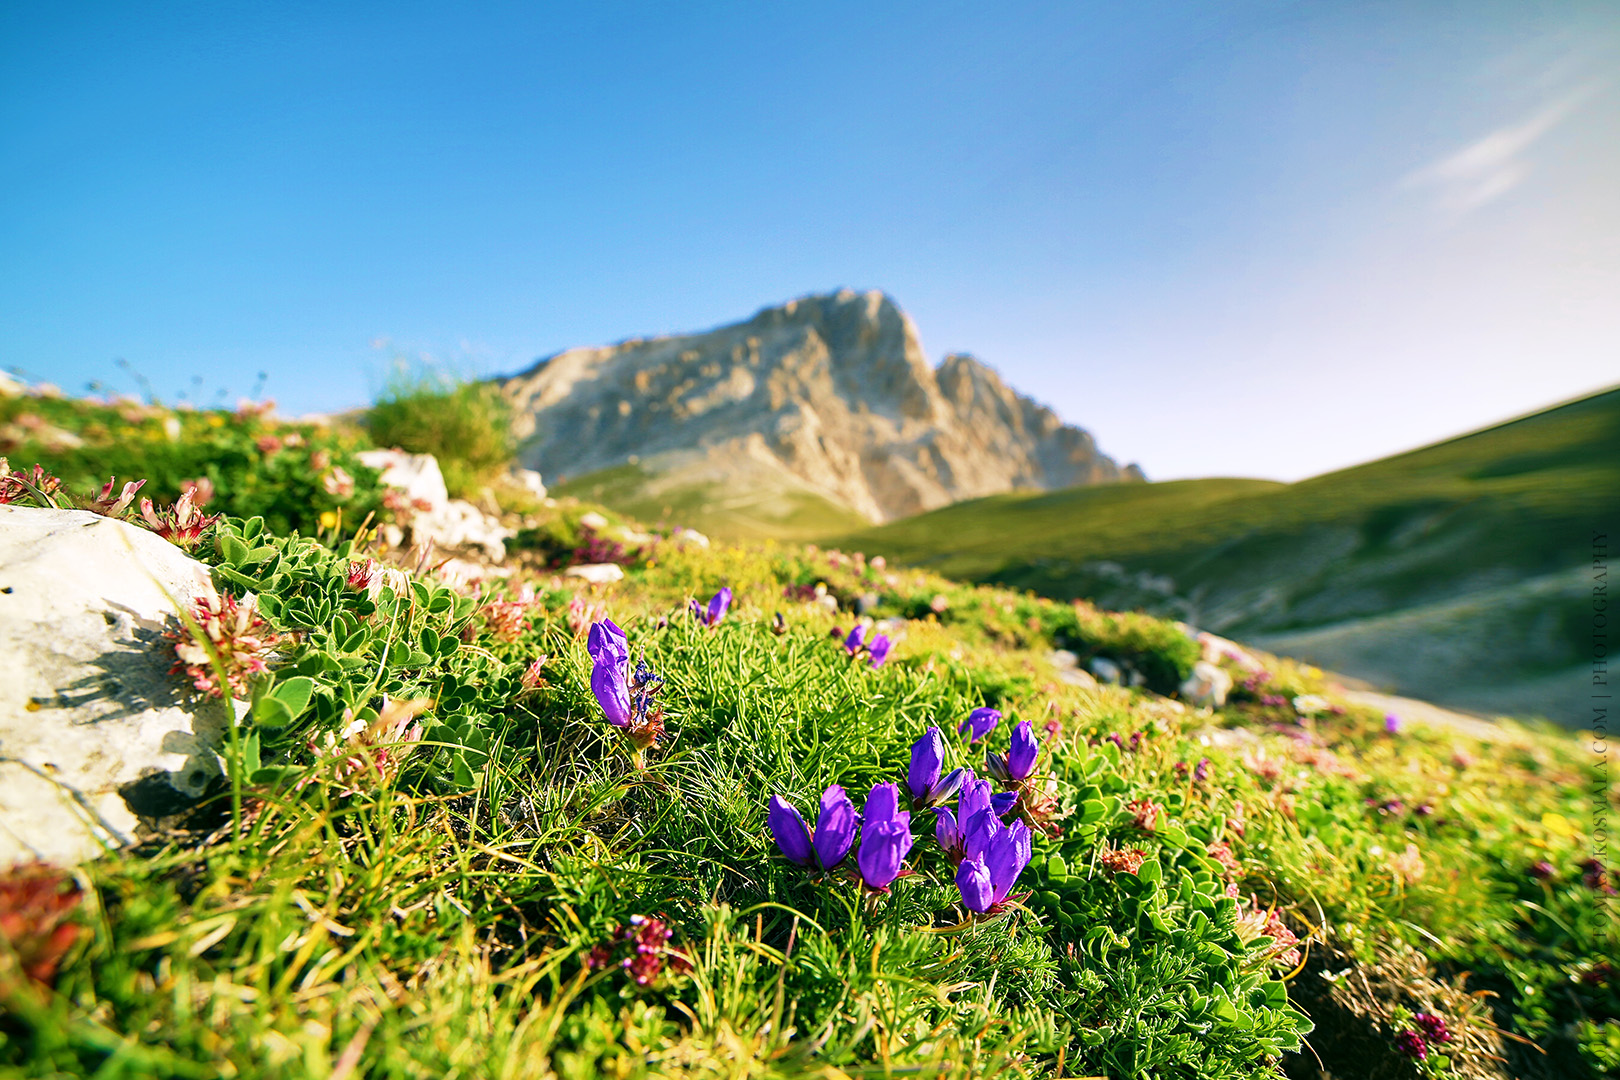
460,524
95,733
529,480
596,573
1208,685
416,475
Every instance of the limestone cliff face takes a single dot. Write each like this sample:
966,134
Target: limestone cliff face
833,390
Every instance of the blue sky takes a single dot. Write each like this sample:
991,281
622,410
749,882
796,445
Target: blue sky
1258,239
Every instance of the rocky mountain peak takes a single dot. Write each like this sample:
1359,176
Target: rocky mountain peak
833,393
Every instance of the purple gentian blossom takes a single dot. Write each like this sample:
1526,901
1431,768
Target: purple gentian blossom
835,829
952,829
987,875
626,697
879,648
718,603
856,639
1392,723
885,838
928,787
1020,760
980,722
605,640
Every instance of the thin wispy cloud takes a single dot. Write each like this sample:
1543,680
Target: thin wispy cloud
1485,170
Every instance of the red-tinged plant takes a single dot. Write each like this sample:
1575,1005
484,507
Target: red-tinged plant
369,753
507,620
113,506
182,525
1121,860
230,630
645,942
16,483
36,903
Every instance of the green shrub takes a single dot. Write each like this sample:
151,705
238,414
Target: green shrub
467,426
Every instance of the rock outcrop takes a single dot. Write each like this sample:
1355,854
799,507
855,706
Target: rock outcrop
95,734
832,392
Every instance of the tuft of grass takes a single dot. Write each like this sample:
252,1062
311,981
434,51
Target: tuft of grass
466,425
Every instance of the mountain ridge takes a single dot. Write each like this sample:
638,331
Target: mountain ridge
831,392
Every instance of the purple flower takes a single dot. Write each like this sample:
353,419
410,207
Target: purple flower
927,763
612,689
716,610
1412,1045
607,640
835,829
879,648
883,853
980,722
987,875
787,826
952,830
883,804
1201,771
857,637
1433,1027
1392,724
627,699
885,837
1020,759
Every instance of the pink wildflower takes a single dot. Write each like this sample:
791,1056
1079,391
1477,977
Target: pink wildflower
371,752
110,505
183,525
338,483
235,632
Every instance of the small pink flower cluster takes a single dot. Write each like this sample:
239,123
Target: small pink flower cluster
182,525
1256,921
649,951
1221,852
509,619
113,506
581,615
1427,1030
231,630
1144,814
1121,860
14,484
372,751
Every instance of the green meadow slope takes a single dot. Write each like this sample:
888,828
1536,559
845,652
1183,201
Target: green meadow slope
751,504
1457,572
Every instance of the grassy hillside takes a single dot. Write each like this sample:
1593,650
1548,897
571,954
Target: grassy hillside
1497,521
486,877
763,504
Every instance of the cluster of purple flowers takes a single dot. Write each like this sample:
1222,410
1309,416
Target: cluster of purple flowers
876,648
716,609
1427,1030
885,832
627,696
988,853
